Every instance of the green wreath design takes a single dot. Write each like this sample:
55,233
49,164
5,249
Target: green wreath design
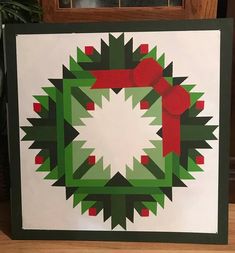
75,167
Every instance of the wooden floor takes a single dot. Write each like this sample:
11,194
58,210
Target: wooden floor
9,246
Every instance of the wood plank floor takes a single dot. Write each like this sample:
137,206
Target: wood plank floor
10,246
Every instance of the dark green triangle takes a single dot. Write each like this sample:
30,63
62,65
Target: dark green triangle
70,191
118,180
168,71
70,133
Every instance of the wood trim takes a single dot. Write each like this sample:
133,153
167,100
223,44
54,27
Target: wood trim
192,9
201,9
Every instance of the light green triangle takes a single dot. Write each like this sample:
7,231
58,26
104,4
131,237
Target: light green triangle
45,166
184,174
74,66
43,100
78,197
156,154
156,121
188,87
81,57
86,205
137,94
79,154
151,54
139,171
97,171
155,111
51,91
78,112
96,95
194,96
192,166
152,206
53,174
161,60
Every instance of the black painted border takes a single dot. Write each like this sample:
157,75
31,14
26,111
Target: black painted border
224,25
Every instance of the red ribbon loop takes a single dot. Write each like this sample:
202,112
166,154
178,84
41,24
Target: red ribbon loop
175,99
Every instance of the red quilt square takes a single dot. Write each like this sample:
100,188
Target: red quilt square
92,211
200,104
37,107
91,159
89,50
39,159
144,212
199,159
144,159
144,104
144,48
90,106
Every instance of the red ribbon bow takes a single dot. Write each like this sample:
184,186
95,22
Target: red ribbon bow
175,99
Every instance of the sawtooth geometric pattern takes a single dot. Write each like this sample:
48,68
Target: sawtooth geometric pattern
168,164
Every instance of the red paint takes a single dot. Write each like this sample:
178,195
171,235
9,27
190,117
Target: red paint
144,48
39,159
37,107
89,50
200,104
144,159
144,104
144,212
92,211
199,159
91,160
90,106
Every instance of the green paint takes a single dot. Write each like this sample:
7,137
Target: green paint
77,198
161,60
169,80
43,100
97,95
60,132
151,54
193,167
118,210
137,94
79,154
39,133
155,154
116,52
160,198
78,112
155,111
184,174
54,174
74,66
152,206
188,87
139,171
194,96
81,57
78,82
45,167
86,205
97,171
196,133
51,91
